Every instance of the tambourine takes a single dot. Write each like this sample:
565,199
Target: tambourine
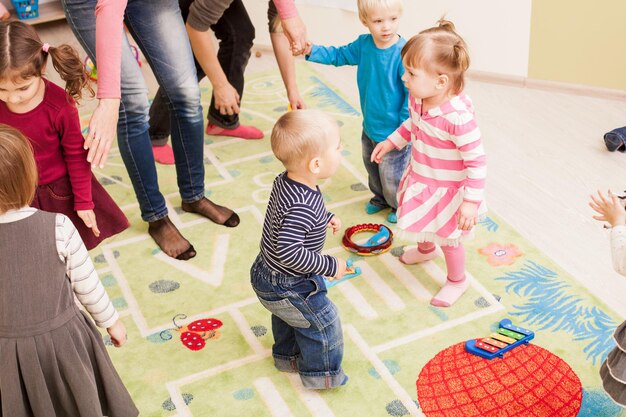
375,245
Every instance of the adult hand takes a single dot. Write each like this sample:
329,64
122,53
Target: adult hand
295,31
295,100
102,129
89,218
467,215
609,209
380,150
226,99
117,333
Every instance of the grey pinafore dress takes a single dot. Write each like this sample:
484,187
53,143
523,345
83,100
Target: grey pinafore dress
613,370
53,362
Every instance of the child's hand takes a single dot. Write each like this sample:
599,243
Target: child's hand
89,218
307,48
335,224
467,215
609,208
341,269
295,101
380,150
117,333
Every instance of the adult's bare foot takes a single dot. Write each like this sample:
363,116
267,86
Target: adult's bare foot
217,214
169,239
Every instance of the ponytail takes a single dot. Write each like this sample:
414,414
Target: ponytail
446,25
23,55
68,64
441,50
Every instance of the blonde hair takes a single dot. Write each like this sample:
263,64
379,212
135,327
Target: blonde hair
18,172
366,6
300,135
439,50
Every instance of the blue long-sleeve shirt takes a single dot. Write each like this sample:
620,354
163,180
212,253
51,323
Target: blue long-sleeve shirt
383,96
294,230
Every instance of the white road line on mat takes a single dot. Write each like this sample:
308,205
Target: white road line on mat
133,305
382,370
354,297
404,275
224,142
104,270
380,287
173,387
264,179
126,242
494,308
259,114
246,331
214,274
272,398
347,202
357,174
218,165
311,399
247,158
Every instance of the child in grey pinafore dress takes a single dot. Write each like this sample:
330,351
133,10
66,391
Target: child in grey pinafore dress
52,359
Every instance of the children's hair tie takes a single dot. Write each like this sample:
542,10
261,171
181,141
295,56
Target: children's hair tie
45,47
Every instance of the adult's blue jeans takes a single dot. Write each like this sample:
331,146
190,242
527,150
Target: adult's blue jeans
383,178
158,29
305,323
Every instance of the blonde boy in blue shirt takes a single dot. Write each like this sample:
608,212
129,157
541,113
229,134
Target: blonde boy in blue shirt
383,96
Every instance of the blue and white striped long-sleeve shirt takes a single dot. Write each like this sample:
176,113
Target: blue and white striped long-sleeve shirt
294,230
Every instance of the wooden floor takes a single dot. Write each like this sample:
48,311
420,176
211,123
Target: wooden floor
545,156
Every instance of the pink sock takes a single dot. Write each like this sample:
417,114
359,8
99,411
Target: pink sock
457,283
163,154
425,251
241,131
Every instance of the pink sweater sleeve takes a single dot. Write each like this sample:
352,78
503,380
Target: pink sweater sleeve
109,31
286,9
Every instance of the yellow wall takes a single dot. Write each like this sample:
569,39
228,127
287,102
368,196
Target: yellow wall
581,42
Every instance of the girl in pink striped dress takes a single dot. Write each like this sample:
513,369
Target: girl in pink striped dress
440,196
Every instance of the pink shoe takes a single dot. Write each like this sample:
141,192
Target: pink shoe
164,154
242,132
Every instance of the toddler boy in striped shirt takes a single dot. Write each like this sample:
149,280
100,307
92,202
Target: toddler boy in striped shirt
287,275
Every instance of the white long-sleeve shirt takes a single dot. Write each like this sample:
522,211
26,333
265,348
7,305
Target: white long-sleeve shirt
78,267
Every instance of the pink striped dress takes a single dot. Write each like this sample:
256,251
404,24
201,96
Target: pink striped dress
448,165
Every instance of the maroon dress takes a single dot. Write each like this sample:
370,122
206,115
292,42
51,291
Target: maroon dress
66,183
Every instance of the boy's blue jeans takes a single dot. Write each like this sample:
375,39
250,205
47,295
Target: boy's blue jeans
305,323
383,178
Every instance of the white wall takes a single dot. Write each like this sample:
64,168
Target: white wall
498,32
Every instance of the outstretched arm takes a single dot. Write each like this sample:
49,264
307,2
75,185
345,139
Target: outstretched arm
103,123
287,67
293,26
226,96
